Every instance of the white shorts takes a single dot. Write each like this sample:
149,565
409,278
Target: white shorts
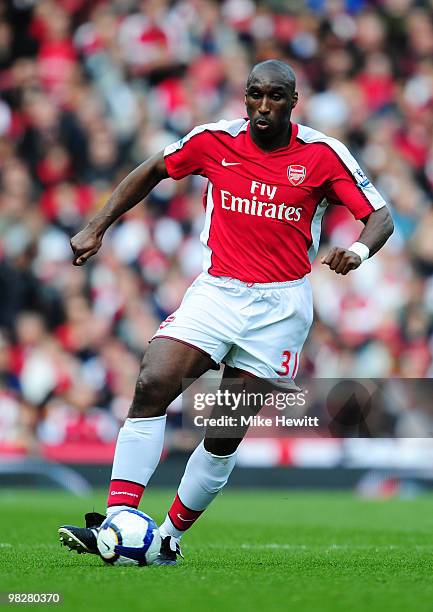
257,328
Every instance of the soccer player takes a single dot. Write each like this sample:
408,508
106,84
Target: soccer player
269,183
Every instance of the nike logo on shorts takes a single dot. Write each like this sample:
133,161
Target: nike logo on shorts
226,163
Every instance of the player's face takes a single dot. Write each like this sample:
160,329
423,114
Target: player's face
269,101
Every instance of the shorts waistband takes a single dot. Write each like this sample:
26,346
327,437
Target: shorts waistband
227,280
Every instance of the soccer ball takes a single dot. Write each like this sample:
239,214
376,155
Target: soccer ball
129,537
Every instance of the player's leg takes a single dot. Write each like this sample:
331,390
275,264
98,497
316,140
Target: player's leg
165,365
279,322
208,468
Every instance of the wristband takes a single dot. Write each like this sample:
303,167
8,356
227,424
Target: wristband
360,249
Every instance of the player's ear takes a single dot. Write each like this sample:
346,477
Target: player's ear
294,99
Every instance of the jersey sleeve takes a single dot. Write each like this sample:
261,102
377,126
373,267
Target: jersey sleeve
348,185
186,156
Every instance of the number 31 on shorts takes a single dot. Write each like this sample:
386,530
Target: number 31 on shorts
289,366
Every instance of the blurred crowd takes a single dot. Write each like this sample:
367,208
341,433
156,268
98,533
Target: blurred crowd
88,90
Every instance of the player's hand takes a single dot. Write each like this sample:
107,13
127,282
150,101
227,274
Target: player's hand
85,244
341,260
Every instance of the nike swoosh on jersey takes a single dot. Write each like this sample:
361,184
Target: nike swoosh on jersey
226,163
185,520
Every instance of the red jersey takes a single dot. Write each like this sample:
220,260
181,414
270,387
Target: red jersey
264,209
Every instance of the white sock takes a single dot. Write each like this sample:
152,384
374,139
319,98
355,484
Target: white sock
138,451
205,475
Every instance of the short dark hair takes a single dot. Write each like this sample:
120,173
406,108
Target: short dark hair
284,69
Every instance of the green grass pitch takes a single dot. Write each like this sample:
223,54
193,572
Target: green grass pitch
258,550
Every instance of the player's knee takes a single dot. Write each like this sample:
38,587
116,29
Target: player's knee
150,396
221,446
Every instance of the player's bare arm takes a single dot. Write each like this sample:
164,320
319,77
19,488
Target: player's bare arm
127,194
378,228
